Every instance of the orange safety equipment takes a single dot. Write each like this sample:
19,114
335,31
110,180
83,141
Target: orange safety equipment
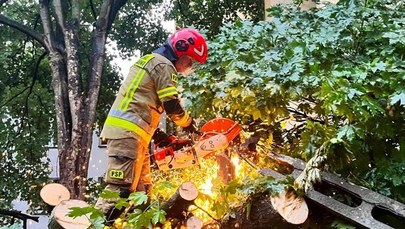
191,43
140,101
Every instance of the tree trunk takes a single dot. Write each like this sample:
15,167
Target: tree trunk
262,211
75,106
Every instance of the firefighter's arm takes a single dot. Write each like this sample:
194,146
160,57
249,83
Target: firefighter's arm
166,79
176,113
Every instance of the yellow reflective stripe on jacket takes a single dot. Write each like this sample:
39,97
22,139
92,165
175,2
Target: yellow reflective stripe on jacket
129,94
134,118
125,124
144,60
183,121
167,92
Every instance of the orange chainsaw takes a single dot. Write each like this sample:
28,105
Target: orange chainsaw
214,136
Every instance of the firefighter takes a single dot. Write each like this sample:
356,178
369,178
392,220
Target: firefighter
148,91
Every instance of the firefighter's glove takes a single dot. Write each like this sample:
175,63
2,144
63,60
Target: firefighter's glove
190,128
161,139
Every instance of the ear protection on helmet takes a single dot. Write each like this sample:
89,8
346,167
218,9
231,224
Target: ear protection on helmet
181,45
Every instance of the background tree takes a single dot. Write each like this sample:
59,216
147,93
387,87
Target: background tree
324,82
25,102
69,41
210,15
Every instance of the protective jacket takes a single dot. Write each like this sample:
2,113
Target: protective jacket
139,104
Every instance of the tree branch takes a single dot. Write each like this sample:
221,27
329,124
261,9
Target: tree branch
23,28
11,99
60,18
93,10
304,115
19,215
47,25
107,15
76,10
116,6
31,87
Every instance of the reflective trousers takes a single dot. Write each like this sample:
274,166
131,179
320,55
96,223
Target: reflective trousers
128,169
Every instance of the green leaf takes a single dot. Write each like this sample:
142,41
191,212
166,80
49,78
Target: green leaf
347,132
80,211
121,203
398,180
98,222
335,140
136,218
138,198
108,194
158,216
379,66
398,98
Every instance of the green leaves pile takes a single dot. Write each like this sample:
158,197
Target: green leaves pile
337,73
137,218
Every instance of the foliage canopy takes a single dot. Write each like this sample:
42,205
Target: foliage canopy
326,81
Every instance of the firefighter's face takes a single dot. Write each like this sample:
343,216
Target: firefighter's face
185,65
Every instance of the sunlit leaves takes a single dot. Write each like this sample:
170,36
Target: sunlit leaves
138,198
145,219
342,65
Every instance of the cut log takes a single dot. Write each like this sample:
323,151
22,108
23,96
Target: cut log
291,207
177,205
54,193
60,220
262,215
194,223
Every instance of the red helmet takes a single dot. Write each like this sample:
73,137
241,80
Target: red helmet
191,43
